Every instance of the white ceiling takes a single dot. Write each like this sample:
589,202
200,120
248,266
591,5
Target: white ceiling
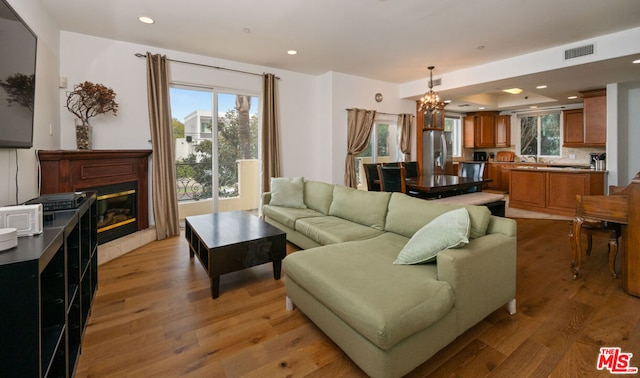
388,40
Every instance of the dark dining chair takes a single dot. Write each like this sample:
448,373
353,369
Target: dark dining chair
392,179
473,170
371,175
411,168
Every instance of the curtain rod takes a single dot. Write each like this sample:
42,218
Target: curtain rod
391,114
139,55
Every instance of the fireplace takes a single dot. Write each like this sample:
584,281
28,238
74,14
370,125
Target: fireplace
117,211
120,178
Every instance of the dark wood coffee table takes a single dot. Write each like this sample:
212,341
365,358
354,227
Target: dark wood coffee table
230,241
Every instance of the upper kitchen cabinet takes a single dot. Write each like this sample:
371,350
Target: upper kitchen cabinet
503,131
595,117
573,122
587,127
480,129
435,121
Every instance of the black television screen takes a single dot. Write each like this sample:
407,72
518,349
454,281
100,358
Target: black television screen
17,79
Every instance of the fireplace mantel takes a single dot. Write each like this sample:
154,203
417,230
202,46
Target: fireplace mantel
76,170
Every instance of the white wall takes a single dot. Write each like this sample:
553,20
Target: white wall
632,158
46,110
312,108
623,132
348,91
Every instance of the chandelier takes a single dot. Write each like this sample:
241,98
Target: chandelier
431,101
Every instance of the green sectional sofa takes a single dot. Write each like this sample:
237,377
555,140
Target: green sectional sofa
389,318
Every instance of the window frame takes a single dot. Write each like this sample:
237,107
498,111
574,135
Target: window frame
539,115
215,92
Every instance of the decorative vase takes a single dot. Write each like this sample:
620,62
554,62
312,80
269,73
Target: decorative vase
83,135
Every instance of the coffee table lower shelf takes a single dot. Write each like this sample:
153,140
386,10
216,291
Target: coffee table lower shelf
231,241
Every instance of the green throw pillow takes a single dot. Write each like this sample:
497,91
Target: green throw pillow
287,192
449,230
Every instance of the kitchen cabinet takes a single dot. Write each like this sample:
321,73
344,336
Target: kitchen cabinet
587,127
527,189
551,190
595,117
500,174
435,121
468,126
503,131
504,177
480,130
492,172
573,128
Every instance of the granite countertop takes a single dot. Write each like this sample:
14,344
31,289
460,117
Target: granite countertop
559,168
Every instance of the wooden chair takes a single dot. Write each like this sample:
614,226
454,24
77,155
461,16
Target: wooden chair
372,177
392,179
597,214
411,168
473,170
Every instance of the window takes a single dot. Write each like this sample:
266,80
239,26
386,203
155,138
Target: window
213,131
453,124
386,139
540,135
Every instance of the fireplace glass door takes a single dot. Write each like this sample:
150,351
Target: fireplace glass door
116,211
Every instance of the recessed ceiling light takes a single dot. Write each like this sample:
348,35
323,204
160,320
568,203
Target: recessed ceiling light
572,97
146,20
637,61
447,101
481,108
541,87
514,91
533,107
292,52
247,30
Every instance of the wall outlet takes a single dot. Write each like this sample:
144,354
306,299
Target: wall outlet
572,156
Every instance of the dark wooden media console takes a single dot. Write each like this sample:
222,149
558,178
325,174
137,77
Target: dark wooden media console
47,286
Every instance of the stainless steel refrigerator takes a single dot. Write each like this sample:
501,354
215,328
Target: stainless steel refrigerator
437,153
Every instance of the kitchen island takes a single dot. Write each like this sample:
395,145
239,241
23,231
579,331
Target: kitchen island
552,190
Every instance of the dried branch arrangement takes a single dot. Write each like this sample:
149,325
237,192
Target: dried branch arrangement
88,100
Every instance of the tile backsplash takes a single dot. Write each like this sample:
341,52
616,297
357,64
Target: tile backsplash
577,156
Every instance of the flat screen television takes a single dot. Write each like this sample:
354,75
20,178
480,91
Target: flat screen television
17,79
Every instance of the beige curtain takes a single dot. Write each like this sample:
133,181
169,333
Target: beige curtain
270,140
165,202
405,121
359,125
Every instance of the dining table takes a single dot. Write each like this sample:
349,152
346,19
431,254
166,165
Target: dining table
443,185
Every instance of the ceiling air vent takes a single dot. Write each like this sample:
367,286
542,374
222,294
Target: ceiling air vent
437,82
577,52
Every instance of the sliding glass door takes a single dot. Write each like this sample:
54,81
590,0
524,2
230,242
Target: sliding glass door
216,147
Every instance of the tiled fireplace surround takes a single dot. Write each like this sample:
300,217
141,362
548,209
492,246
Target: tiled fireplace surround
76,170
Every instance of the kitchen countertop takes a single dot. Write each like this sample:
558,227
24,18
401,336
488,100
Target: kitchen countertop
564,169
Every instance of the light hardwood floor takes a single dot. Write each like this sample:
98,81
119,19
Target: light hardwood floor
153,316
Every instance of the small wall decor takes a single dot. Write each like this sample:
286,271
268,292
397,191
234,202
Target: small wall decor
378,97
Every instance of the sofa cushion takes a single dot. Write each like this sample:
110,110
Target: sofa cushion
449,230
407,215
366,208
288,215
287,192
318,196
330,230
385,303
